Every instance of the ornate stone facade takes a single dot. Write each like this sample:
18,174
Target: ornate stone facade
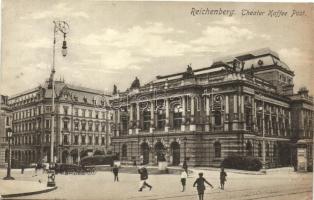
204,115
5,123
82,121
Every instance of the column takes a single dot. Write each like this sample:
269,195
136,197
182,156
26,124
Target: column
152,107
277,121
78,156
207,125
167,116
242,112
289,125
254,113
183,112
235,113
227,118
137,118
131,119
118,123
79,139
192,124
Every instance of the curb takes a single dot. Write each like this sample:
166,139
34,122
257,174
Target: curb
4,196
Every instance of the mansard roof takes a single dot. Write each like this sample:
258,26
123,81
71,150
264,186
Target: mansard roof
259,59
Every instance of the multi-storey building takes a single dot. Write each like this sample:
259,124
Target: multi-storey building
82,119
206,114
5,124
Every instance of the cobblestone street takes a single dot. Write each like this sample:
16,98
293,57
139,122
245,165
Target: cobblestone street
275,185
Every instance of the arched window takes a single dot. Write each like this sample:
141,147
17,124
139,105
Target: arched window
124,150
259,150
249,148
217,147
177,117
217,117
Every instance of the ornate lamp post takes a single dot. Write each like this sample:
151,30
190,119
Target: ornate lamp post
9,137
262,108
63,27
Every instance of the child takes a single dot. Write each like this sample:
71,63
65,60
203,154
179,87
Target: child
143,176
223,179
184,176
200,182
115,171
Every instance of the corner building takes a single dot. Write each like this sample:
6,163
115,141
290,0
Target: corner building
82,123
204,115
5,123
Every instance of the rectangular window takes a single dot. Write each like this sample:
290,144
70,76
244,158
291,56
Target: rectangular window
102,140
83,126
65,110
83,113
65,125
90,126
96,140
90,113
47,123
76,139
90,139
83,139
96,115
97,127
76,126
76,111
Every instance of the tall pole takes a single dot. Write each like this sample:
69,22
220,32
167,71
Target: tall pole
53,71
59,26
263,135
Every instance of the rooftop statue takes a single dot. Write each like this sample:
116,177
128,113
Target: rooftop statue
189,72
136,84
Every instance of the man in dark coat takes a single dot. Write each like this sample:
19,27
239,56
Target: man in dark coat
115,171
143,176
200,182
223,175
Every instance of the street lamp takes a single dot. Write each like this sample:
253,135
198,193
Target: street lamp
9,137
261,108
63,27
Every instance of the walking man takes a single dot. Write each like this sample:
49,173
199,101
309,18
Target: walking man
184,176
143,176
200,182
115,171
223,179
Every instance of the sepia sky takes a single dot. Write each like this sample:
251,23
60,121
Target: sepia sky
112,42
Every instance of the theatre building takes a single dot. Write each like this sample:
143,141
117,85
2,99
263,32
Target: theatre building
82,120
203,115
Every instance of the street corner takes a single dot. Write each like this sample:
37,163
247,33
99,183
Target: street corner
18,188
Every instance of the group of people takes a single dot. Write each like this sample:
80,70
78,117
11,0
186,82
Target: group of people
143,177
199,182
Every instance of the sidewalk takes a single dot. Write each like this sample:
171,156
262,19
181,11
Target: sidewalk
268,171
23,185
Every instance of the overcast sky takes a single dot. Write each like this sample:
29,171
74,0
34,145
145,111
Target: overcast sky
111,43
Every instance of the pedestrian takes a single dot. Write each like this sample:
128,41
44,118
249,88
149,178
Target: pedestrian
115,171
200,182
143,176
22,169
185,166
184,176
223,179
